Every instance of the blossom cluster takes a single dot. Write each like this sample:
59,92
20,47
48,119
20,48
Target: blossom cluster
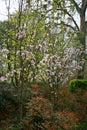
21,33
7,76
60,68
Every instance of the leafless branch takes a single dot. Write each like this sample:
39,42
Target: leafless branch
76,5
84,5
72,19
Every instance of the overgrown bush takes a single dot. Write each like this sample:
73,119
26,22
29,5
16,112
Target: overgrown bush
77,83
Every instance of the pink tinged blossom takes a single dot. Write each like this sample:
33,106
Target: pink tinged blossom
23,54
4,65
22,48
59,65
33,62
30,46
3,78
18,52
9,75
39,47
27,53
45,43
25,6
4,51
21,34
34,33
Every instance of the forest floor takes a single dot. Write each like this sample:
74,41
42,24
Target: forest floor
72,109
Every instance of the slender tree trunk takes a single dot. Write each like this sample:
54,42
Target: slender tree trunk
82,28
81,73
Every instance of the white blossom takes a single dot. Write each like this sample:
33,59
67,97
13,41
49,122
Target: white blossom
3,78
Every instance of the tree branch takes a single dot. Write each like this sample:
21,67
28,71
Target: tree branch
76,5
68,25
72,19
84,5
65,10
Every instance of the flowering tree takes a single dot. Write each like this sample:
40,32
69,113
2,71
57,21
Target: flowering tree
71,8
40,47
59,68
27,40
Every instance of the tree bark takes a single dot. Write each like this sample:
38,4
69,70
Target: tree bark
82,11
81,73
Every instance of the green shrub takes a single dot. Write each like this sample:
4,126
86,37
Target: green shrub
82,125
77,83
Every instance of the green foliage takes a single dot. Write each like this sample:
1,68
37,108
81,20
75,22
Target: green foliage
6,84
82,125
3,85
6,95
77,83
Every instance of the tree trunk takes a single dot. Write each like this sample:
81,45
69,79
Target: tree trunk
82,28
81,73
82,13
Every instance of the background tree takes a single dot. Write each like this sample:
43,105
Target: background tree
69,8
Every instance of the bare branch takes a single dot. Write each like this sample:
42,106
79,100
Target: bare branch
72,19
65,10
76,5
84,5
68,25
